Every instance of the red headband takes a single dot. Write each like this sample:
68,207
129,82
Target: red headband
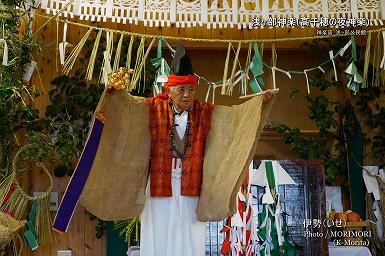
174,80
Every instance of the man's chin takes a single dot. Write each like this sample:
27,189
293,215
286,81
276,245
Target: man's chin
186,106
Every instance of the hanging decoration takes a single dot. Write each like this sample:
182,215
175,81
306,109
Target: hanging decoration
231,77
161,76
256,67
382,65
355,79
376,61
18,200
63,45
242,235
5,52
239,14
367,60
273,229
30,234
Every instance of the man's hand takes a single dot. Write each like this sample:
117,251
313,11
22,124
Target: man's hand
268,95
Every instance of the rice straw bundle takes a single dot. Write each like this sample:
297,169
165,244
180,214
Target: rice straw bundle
367,60
117,54
68,64
128,61
18,201
235,62
223,91
9,228
91,63
139,67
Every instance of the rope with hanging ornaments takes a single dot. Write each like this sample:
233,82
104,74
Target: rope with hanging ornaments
227,83
203,40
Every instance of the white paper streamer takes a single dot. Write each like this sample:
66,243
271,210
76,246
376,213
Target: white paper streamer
331,56
28,70
273,69
307,81
343,49
5,52
382,65
278,221
63,45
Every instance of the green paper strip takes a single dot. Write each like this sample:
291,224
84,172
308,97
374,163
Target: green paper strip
31,241
256,66
270,174
31,226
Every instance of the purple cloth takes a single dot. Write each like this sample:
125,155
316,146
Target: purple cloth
78,180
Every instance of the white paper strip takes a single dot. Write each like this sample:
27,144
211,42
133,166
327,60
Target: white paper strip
382,65
63,45
28,70
5,52
307,81
343,49
331,56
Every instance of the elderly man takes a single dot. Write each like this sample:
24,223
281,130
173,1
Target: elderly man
179,126
187,166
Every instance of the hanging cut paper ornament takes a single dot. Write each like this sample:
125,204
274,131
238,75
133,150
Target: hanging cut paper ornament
256,66
307,78
281,177
382,65
212,86
267,233
30,234
28,70
225,248
331,56
355,79
163,70
241,233
272,230
5,52
63,45
347,45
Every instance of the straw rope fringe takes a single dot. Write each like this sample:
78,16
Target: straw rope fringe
137,72
376,61
128,61
117,54
91,63
68,64
235,62
367,60
226,69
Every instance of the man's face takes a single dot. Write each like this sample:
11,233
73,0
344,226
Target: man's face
182,96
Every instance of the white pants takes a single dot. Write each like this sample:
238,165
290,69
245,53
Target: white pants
169,226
